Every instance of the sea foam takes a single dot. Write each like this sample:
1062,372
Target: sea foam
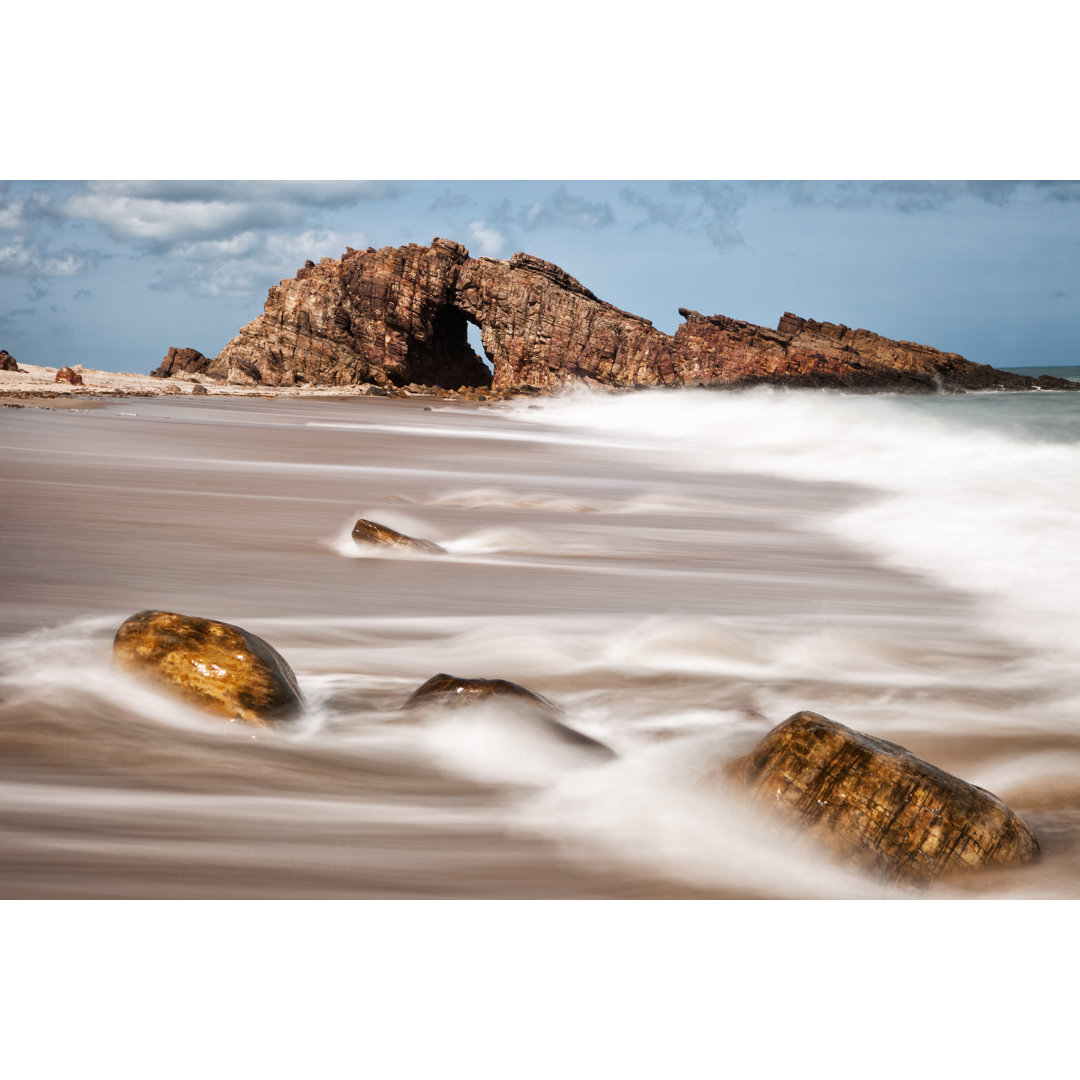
991,512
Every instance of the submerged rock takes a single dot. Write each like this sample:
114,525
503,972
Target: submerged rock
446,689
449,691
214,666
368,532
877,804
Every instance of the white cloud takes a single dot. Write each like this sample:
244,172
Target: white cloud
232,247
489,240
11,216
560,209
700,206
164,223
167,213
25,259
332,193
250,262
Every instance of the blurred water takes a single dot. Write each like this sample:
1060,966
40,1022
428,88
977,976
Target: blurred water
679,571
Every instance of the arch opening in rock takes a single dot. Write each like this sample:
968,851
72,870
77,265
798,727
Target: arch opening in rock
476,343
444,357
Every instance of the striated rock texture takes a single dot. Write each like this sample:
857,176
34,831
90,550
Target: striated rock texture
213,666
397,316
877,804
177,360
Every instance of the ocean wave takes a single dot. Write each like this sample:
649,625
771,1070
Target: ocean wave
971,500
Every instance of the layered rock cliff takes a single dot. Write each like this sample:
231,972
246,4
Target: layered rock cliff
397,316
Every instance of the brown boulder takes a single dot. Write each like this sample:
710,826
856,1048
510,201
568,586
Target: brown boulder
214,666
368,532
878,805
7,361
69,375
178,360
449,691
198,388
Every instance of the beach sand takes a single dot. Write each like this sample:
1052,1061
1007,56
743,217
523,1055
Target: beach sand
677,615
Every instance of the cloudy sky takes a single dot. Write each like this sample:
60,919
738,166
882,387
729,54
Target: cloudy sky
111,273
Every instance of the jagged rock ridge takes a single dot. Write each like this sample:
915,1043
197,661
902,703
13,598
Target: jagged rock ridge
396,316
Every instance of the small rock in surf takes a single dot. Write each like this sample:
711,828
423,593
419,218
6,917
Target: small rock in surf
878,805
214,666
368,532
453,692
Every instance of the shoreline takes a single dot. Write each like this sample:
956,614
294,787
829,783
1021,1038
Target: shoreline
36,386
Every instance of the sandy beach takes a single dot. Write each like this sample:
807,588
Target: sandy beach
36,386
676,607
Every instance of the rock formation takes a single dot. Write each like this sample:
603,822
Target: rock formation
877,804
366,533
7,361
214,666
176,361
396,316
69,375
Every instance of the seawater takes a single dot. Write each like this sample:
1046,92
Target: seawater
681,571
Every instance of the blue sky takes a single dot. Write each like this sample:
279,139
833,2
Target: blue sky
111,273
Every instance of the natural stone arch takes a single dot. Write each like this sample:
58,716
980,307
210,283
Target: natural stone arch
395,316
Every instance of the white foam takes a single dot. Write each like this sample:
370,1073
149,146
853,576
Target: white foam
992,513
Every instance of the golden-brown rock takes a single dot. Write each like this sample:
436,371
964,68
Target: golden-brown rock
69,375
368,532
877,804
214,666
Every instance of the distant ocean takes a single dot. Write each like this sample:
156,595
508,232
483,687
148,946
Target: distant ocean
1065,371
681,571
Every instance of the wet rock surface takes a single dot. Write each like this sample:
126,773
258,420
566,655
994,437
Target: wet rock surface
443,689
878,805
367,533
214,666
398,316
451,691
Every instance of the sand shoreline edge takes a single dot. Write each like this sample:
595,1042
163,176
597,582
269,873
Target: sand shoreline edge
36,387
